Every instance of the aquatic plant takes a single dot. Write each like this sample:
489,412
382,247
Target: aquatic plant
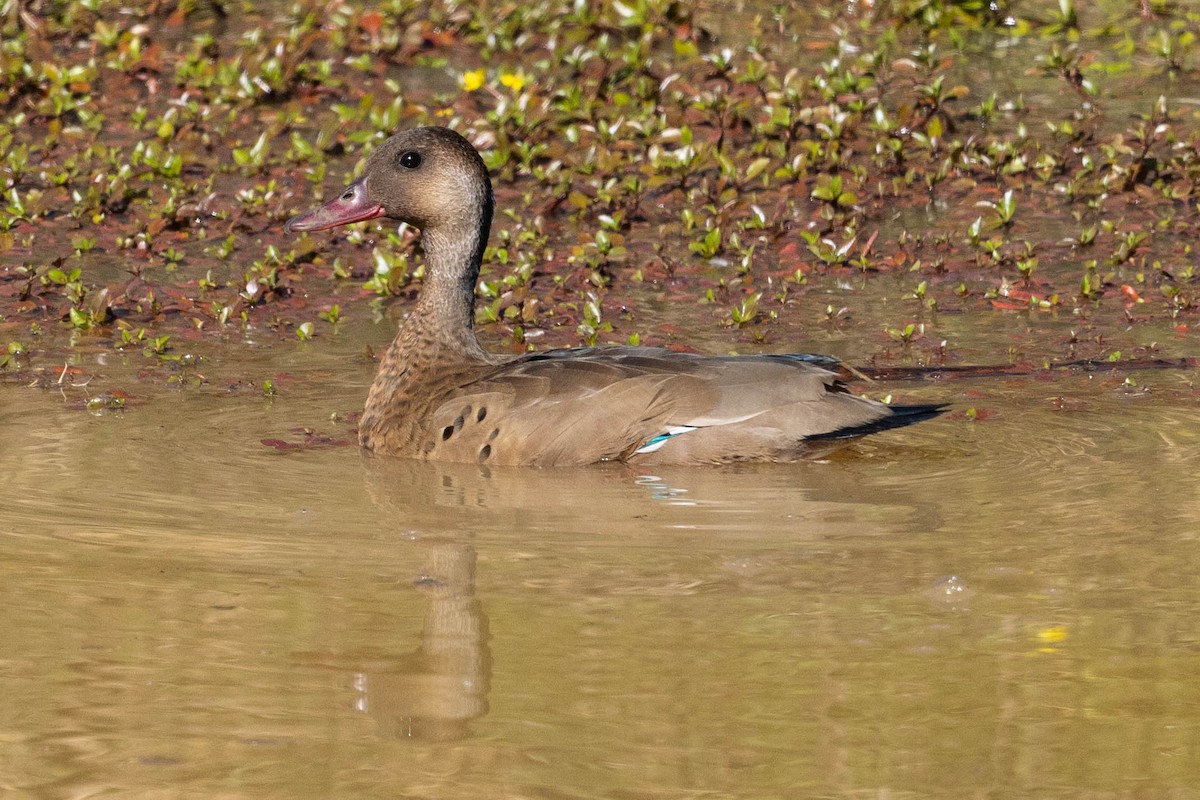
641,149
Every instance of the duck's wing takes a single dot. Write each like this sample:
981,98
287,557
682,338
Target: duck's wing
650,405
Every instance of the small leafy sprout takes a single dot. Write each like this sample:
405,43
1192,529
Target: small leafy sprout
391,273
158,346
589,330
831,253
709,245
746,311
1005,208
975,231
1026,266
906,334
254,156
128,336
82,320
1127,246
304,331
12,355
221,251
829,190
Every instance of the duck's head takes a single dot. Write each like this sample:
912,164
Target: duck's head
428,177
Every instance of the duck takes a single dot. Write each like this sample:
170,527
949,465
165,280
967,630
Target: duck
438,395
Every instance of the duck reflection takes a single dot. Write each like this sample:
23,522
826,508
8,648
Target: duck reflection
436,691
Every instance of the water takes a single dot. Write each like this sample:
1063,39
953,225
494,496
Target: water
214,594
1003,607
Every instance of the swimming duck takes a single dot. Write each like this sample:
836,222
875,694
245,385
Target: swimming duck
440,396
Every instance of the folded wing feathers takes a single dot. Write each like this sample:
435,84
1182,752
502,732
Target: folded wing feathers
575,407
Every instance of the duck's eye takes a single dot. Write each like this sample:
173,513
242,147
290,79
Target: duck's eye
410,160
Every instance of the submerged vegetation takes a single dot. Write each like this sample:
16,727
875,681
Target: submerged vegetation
876,167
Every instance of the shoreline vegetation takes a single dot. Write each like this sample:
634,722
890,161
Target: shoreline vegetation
901,173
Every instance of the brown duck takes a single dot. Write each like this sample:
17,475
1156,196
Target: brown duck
440,396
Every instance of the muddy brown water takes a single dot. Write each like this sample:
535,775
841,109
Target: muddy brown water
1007,606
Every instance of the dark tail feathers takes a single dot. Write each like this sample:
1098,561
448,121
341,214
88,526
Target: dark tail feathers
900,416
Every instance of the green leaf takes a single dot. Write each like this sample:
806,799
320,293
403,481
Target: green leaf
756,167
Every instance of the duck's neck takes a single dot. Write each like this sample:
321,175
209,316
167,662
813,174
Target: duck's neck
445,310
442,326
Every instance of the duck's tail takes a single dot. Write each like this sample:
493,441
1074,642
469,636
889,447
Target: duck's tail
899,417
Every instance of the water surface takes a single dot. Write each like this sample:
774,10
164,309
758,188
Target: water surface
212,593
1006,607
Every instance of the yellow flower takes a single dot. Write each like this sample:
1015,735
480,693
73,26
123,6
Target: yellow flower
473,80
513,80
